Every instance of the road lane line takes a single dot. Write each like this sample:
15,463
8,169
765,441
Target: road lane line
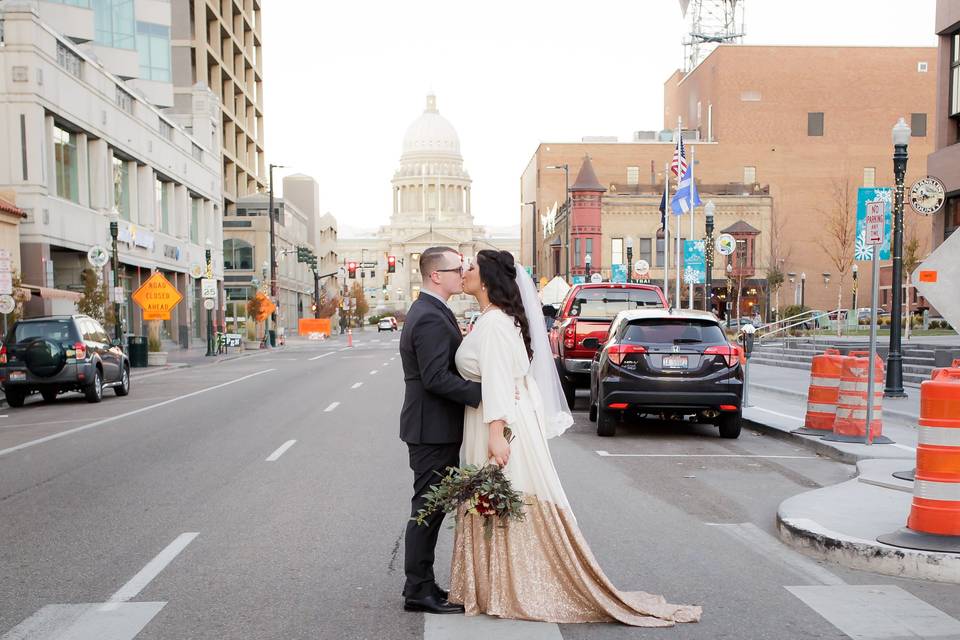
346,348
384,364
356,385
98,423
153,568
483,626
373,372
605,454
777,413
322,355
279,452
333,405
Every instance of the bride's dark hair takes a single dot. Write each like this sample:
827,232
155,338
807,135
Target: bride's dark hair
498,273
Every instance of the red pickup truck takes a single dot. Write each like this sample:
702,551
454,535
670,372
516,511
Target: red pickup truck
587,312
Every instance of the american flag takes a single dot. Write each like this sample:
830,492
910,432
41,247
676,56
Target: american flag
679,164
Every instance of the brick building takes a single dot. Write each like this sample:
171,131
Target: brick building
944,162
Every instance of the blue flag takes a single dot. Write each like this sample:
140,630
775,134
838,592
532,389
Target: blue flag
686,197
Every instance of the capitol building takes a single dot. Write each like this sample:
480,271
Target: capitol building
431,206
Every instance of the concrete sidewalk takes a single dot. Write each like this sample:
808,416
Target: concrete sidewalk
841,523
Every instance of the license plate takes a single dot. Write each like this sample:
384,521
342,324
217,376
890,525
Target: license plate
675,362
18,375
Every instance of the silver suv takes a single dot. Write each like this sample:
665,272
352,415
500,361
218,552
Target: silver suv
54,354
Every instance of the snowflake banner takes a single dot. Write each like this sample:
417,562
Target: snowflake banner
862,251
694,262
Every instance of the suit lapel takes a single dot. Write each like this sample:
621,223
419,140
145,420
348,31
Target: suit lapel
443,308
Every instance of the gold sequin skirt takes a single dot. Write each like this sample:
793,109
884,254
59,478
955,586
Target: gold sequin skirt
542,569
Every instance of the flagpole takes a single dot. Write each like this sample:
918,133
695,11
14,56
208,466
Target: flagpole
666,230
677,304
693,159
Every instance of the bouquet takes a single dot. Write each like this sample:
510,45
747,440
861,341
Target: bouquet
484,491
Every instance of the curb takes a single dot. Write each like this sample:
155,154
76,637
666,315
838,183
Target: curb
909,417
814,444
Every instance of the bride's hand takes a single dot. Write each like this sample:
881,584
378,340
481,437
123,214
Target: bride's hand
499,449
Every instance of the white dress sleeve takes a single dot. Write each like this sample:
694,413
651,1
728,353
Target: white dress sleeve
498,379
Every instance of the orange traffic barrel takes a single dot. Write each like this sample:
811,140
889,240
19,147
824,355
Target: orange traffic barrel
851,422
934,521
825,370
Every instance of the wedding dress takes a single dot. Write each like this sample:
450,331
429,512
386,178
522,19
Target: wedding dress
539,568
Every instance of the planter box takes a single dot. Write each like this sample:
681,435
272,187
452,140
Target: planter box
156,358
251,345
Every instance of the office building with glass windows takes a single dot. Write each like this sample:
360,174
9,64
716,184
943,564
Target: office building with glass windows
83,82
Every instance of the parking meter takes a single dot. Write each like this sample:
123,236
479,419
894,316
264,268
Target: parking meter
746,337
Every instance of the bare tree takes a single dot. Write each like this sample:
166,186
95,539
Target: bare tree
914,251
839,233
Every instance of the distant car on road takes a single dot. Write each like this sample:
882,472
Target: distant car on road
387,324
54,354
666,363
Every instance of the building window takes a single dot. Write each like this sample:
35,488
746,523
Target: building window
65,156
918,125
237,255
616,251
576,252
121,187
749,175
589,250
166,129
955,75
869,176
633,175
69,60
815,123
74,3
197,152
114,23
153,47
661,245
195,209
163,205
644,250
124,100
951,219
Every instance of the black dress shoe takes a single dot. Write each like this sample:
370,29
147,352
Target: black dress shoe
440,593
430,603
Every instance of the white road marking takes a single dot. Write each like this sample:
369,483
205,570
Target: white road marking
356,385
777,413
333,405
322,355
384,364
122,621
875,612
373,372
765,544
4,416
904,447
481,627
699,455
375,340
345,348
137,583
279,452
120,416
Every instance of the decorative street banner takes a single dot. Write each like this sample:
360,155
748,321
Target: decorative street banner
862,250
694,262
618,273
579,279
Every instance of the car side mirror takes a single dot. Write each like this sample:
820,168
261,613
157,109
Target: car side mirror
591,343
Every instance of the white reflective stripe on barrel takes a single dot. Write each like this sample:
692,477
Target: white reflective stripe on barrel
937,490
814,407
943,436
819,381
857,414
848,385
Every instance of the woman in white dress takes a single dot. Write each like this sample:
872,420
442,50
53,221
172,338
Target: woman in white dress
539,568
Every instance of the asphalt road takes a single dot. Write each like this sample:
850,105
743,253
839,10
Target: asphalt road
265,497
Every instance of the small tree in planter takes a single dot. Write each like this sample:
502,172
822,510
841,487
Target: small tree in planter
254,311
155,355
94,302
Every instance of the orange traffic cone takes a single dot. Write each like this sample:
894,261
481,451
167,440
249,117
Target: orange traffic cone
349,337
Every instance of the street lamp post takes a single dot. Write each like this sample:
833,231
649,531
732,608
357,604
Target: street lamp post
629,259
115,265
708,211
566,223
209,274
586,263
273,255
894,386
803,290
792,276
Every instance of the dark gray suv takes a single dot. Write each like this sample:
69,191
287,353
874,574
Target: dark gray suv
54,354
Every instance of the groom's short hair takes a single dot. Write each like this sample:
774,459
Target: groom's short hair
432,259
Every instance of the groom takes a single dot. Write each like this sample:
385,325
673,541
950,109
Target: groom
431,422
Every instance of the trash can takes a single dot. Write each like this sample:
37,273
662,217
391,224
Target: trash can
137,350
273,338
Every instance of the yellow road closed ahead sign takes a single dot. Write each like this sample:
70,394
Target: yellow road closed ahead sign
157,297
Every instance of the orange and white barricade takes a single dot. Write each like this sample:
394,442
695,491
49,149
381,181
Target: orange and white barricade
851,422
825,370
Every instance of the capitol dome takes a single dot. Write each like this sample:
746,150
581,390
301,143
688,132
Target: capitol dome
431,134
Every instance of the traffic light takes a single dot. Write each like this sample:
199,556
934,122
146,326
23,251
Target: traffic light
312,262
302,253
391,264
352,270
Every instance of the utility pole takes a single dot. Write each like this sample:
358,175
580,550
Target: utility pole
273,261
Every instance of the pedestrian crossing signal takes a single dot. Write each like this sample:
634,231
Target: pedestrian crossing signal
391,264
352,270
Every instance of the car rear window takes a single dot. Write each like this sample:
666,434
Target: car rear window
673,331
58,330
605,304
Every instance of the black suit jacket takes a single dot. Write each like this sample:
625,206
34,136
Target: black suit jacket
435,393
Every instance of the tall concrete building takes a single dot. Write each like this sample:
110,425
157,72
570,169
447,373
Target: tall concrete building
217,43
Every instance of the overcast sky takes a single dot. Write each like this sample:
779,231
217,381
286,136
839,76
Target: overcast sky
343,80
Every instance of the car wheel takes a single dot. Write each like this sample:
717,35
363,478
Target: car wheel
606,423
729,426
124,386
15,397
592,412
94,390
569,392
49,395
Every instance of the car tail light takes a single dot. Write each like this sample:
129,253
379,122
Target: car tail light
3,354
618,352
728,407
730,353
570,334
617,405
81,351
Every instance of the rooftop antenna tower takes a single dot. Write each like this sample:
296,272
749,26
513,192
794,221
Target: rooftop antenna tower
712,22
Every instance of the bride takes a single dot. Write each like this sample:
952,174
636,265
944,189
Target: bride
539,568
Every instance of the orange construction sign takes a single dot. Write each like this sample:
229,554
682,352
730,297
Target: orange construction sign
266,306
157,297
928,276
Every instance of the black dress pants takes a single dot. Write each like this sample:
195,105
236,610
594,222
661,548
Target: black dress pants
420,541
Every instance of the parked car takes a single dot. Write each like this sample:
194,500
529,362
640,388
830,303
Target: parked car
54,354
586,312
387,324
668,364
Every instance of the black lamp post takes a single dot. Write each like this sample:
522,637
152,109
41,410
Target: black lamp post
853,306
114,233
803,290
587,259
894,387
629,259
708,210
209,273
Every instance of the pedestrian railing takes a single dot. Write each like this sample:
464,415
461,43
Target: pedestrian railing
802,320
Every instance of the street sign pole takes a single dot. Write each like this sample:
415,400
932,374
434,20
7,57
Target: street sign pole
875,232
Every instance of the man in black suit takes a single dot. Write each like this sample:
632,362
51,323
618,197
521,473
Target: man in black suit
431,422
